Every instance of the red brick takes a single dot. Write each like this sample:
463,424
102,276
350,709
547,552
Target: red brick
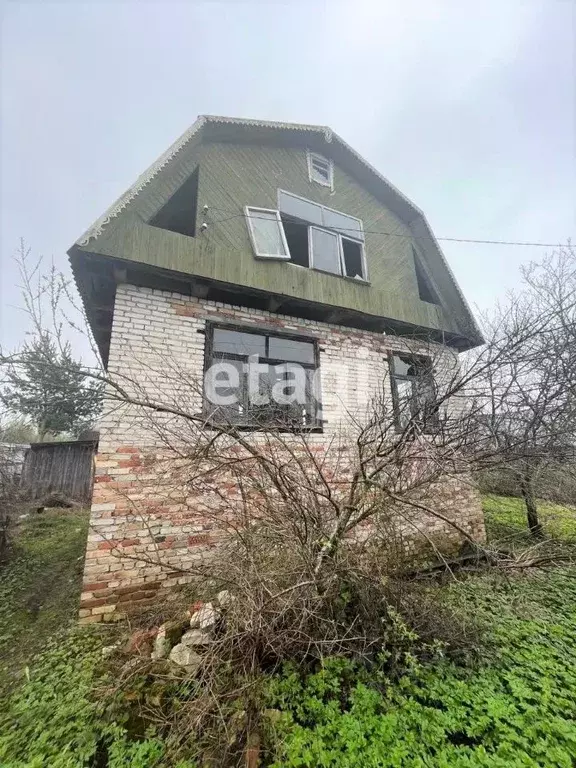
127,449
129,542
135,596
111,544
135,461
94,586
153,585
184,311
94,602
202,538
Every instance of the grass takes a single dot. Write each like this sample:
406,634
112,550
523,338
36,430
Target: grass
505,518
39,586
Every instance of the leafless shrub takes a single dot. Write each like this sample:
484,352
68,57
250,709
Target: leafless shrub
12,503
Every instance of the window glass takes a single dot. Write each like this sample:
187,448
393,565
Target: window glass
405,397
238,343
300,209
320,169
255,393
291,350
402,366
348,225
267,232
225,391
325,250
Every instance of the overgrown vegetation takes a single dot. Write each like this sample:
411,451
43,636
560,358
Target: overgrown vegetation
506,518
507,701
517,708
39,585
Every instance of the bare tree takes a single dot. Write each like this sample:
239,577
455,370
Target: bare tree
313,542
532,410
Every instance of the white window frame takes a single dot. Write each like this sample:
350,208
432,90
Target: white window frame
341,261
248,211
315,155
364,278
326,207
311,249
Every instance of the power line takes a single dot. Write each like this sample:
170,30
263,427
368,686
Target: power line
396,234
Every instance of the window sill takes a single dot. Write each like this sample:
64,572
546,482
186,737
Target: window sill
356,280
214,425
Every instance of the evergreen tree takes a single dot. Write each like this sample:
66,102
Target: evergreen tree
48,387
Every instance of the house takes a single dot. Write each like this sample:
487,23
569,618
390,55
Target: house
250,238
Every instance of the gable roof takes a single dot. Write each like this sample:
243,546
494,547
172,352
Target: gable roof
219,127
322,138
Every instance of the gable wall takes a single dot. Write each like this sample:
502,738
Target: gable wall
234,175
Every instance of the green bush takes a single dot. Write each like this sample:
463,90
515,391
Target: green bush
518,708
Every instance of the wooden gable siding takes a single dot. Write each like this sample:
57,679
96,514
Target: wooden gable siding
234,175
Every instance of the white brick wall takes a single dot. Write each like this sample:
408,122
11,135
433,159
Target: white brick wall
143,506
157,352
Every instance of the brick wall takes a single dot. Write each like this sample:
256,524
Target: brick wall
147,525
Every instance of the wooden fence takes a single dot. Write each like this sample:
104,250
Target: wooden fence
60,471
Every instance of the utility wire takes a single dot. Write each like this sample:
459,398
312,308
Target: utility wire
393,234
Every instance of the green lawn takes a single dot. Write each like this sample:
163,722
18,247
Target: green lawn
506,517
40,585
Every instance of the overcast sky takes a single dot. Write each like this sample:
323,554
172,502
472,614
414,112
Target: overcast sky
469,108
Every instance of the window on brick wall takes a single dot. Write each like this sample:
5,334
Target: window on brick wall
413,391
260,380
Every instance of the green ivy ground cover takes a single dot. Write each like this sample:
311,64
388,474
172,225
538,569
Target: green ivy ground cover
506,516
516,707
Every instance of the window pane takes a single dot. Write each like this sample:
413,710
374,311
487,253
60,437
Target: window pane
405,396
300,209
353,263
238,343
225,391
291,350
320,171
348,225
267,233
402,365
325,251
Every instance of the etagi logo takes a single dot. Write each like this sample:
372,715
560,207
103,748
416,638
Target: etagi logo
227,383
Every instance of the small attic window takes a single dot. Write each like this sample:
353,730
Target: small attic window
320,170
426,290
179,213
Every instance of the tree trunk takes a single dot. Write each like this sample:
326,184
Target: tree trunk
531,509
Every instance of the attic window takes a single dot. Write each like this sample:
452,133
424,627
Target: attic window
266,233
320,170
426,290
179,213
310,235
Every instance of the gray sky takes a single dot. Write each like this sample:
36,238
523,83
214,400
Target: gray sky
468,108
